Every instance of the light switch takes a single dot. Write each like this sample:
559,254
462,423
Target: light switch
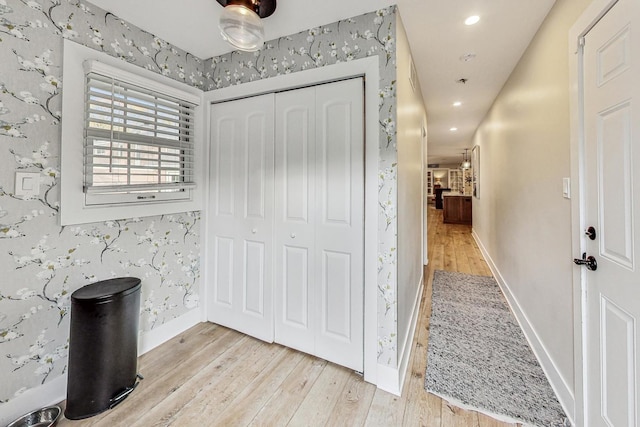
566,188
27,184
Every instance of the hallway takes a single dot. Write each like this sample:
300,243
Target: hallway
211,375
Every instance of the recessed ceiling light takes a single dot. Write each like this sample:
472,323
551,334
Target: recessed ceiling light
453,129
472,20
457,104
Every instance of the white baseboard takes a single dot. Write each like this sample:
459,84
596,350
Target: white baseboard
149,340
47,394
405,352
392,379
55,391
560,387
389,379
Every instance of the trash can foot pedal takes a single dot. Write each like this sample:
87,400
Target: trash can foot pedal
122,395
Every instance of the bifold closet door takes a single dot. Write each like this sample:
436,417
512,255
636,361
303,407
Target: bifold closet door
240,222
319,220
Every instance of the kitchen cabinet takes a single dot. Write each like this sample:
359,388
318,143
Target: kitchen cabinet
456,180
457,209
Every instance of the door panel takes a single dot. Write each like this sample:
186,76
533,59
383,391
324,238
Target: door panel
611,195
613,58
224,169
223,270
258,145
618,344
294,218
242,223
339,243
334,158
614,153
319,210
254,278
336,295
296,287
293,320
297,142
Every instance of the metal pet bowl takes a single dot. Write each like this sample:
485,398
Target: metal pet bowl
45,417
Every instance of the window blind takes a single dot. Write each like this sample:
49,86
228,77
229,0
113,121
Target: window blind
136,139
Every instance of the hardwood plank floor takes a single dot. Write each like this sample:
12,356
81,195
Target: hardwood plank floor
211,375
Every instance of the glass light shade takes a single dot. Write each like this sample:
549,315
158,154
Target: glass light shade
241,27
474,19
466,164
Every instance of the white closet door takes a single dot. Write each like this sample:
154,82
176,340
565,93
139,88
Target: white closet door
295,219
241,221
319,221
339,227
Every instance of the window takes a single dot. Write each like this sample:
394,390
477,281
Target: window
138,142
131,140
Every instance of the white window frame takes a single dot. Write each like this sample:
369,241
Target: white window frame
76,205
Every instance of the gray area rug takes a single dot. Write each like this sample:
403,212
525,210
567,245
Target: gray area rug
479,358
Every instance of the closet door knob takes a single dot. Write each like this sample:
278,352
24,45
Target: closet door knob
254,231
293,235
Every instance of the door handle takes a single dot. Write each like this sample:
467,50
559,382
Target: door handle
589,261
293,235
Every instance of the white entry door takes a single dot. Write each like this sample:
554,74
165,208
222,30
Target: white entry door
241,215
319,221
612,208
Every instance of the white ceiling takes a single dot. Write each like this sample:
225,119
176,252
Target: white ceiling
437,35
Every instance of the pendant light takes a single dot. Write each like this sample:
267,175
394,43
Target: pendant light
466,164
241,24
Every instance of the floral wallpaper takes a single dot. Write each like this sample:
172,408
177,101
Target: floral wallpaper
42,263
371,34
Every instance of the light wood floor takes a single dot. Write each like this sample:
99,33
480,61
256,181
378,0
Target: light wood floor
211,375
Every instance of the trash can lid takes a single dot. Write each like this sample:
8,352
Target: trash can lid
107,289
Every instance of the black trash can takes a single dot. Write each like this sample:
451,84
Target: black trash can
103,346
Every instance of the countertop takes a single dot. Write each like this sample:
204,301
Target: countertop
450,194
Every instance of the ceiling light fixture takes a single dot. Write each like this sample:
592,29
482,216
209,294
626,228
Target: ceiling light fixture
241,25
453,129
457,104
466,164
474,19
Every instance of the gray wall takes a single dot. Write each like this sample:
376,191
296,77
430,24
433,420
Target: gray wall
42,263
